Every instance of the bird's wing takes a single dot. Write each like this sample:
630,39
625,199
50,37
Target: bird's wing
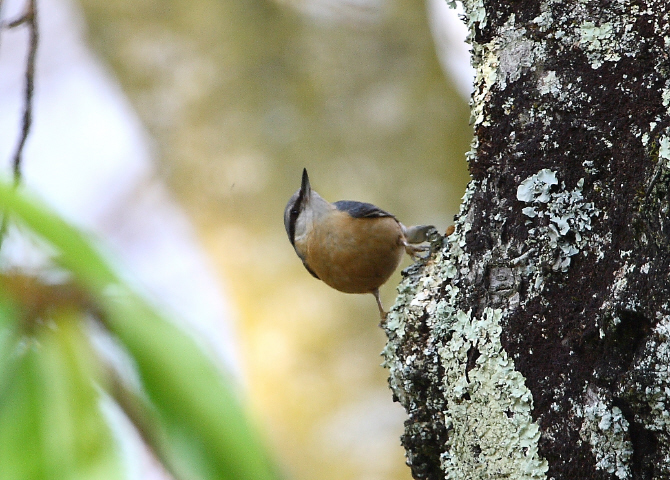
360,209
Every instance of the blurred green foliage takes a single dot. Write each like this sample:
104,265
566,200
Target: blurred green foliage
52,378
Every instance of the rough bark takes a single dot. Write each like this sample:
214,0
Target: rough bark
534,342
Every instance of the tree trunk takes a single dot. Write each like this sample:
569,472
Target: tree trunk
535,341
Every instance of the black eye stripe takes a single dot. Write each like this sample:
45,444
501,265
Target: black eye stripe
291,228
293,217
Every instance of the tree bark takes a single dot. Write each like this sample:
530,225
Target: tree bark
534,342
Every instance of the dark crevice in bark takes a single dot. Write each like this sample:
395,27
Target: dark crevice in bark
616,352
644,441
473,355
423,440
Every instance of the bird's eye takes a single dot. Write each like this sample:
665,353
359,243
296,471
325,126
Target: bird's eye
294,211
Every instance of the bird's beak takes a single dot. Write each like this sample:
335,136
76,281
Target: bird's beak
305,188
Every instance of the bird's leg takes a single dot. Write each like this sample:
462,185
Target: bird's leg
416,234
382,313
414,250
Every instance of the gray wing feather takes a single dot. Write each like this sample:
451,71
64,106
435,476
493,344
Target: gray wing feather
360,209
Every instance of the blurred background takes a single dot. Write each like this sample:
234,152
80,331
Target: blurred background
176,130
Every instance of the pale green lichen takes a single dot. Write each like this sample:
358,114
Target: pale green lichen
475,13
599,43
502,61
549,84
536,188
492,432
655,362
485,77
603,38
566,211
545,19
486,411
516,53
664,150
606,430
665,98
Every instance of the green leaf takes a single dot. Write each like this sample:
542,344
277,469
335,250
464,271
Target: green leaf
209,434
51,425
203,430
9,339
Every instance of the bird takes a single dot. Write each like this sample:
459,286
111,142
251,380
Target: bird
353,247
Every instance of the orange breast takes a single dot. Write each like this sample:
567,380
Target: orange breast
354,255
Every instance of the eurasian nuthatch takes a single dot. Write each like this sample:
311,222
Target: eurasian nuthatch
353,247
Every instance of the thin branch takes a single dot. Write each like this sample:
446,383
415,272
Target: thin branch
141,413
18,21
1,22
30,18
